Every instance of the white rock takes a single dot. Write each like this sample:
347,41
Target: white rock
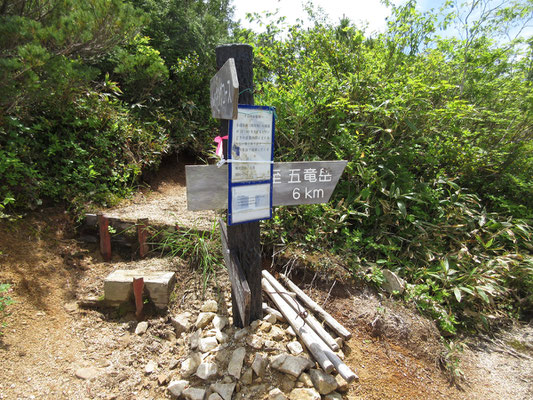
304,394
276,394
254,324
305,379
295,347
210,332
246,377
291,365
339,342
265,326
209,306
259,365
190,365
276,333
393,283
150,367
270,345
141,328
255,342
219,322
194,393
177,387
277,360
204,318
221,336
214,396
333,396
181,322
195,339
87,373
290,331
225,390
206,370
235,363
272,319
241,333
323,382
342,385
207,344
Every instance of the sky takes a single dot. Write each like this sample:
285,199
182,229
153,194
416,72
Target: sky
371,11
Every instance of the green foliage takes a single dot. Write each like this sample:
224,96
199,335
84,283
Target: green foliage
185,34
5,300
88,101
437,136
89,150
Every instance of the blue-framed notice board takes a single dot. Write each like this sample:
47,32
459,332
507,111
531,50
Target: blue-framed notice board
250,158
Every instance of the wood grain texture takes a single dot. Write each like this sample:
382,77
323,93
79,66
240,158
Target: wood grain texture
239,286
243,239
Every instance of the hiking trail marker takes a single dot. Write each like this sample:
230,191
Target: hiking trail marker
250,183
224,89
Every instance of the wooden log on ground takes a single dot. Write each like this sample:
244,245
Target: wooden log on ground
308,336
328,319
309,319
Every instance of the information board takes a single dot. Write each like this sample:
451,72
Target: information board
250,159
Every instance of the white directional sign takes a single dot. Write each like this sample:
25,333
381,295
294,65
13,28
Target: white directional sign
224,89
294,183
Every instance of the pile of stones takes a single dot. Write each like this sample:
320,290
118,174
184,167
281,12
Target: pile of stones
262,361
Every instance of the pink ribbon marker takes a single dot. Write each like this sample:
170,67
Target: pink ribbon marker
219,140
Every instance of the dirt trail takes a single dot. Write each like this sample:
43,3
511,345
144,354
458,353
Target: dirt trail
48,338
165,202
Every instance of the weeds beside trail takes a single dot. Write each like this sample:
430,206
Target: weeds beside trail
201,249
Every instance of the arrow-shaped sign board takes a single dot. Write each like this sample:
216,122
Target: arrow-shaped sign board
225,92
294,183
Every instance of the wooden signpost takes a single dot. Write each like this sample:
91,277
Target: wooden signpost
290,183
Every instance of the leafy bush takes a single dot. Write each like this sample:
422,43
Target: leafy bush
432,155
89,150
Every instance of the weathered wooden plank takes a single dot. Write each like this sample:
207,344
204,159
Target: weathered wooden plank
294,183
239,286
224,87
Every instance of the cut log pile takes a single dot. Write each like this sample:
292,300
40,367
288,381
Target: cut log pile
318,341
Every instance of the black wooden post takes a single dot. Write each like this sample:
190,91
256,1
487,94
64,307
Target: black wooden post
243,239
